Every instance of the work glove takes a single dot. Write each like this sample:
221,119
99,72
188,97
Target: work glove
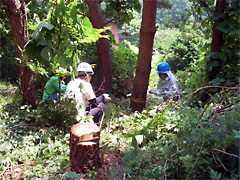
107,98
154,91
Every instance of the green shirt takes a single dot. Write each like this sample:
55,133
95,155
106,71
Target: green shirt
52,87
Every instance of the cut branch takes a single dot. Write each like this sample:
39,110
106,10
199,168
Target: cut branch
226,153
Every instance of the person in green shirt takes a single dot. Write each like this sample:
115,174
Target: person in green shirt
51,90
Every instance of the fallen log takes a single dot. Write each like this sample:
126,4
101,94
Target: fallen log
84,147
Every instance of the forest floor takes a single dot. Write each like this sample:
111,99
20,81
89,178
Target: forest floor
111,161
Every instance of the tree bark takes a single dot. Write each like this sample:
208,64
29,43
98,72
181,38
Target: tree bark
84,147
147,32
103,46
18,19
216,39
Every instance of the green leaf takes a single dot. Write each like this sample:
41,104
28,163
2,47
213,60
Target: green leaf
215,55
113,175
73,13
33,50
134,143
215,175
126,158
33,27
87,24
71,175
46,53
75,72
43,42
217,143
39,28
6,145
127,170
237,134
215,64
60,10
62,60
78,177
138,8
234,32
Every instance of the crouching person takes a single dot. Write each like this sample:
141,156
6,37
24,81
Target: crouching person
81,91
170,83
52,89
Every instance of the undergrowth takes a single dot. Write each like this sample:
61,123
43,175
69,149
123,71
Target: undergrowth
168,141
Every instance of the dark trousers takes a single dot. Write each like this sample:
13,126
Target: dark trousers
96,111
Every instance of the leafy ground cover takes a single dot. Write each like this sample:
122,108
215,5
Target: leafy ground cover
169,141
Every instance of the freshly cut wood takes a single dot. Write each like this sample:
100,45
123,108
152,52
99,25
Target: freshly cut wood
84,147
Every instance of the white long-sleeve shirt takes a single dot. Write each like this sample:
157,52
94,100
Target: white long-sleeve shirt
170,87
81,92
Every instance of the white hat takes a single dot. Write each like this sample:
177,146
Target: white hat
84,67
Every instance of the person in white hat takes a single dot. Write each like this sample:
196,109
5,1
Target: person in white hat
81,91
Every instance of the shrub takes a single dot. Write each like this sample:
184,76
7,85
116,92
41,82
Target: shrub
124,65
184,50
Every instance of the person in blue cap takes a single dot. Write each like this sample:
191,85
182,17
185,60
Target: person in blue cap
170,83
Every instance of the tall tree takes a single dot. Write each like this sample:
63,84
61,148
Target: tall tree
216,38
18,18
103,45
147,32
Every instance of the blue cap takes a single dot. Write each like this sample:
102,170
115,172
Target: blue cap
163,67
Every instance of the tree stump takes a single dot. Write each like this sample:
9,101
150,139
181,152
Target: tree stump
84,147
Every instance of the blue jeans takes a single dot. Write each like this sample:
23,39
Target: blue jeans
54,97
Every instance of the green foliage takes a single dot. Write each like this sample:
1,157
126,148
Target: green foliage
6,91
189,80
173,16
134,28
56,40
124,9
163,38
32,150
185,144
185,49
124,65
72,175
8,67
228,56
226,60
188,143
179,144
61,113
170,14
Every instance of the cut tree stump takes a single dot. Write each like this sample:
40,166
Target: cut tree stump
84,147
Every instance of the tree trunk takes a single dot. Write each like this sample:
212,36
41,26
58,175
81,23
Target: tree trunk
103,46
216,40
18,19
147,32
84,147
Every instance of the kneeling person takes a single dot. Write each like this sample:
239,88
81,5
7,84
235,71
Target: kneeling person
81,91
170,83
